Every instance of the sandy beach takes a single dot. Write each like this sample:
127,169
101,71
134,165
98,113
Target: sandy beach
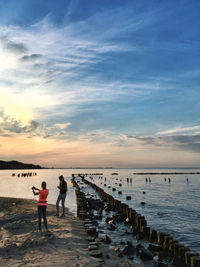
66,245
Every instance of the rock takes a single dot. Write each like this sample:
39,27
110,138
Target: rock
10,247
135,231
109,208
128,197
107,239
120,218
142,203
156,258
111,222
98,217
120,255
96,253
116,249
93,244
139,247
87,221
90,239
95,223
154,247
161,264
139,236
146,255
91,231
97,264
127,233
127,220
98,240
112,227
88,225
129,249
108,219
92,247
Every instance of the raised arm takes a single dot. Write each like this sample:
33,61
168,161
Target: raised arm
35,189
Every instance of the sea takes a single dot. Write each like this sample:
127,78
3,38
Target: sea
171,196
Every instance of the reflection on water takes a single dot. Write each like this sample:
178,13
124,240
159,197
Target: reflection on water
172,207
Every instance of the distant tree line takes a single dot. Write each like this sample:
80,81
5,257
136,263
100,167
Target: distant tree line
16,165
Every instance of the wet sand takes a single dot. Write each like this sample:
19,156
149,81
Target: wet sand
66,245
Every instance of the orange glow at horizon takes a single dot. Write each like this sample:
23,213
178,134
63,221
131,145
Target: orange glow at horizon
59,153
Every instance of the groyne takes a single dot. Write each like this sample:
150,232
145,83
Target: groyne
160,243
24,174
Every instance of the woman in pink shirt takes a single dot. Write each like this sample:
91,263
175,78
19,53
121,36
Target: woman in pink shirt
42,203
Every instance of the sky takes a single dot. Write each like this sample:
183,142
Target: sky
89,83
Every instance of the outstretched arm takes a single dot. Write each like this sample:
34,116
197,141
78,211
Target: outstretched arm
34,189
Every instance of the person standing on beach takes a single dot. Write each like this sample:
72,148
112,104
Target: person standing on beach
42,204
62,195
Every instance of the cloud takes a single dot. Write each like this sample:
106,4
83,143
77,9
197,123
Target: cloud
11,127
172,142
32,57
71,7
56,68
62,125
12,46
180,130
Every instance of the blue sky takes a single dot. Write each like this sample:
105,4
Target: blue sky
100,83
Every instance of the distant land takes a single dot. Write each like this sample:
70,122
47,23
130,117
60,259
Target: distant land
16,165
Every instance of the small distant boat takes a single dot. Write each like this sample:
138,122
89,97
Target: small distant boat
114,173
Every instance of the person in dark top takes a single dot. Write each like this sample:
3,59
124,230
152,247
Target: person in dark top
62,195
42,204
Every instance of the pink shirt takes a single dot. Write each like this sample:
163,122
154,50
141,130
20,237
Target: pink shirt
43,197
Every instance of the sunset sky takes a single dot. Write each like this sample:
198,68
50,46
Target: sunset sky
100,82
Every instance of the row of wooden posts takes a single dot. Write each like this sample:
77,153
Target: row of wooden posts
182,253
27,174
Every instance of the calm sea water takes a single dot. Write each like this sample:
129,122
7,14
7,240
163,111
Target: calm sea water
21,187
171,207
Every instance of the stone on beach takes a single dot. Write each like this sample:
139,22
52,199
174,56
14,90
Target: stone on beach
96,253
129,249
107,239
146,254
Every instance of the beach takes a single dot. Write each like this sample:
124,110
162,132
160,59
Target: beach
65,245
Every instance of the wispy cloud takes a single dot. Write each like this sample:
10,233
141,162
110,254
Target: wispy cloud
162,143
55,65
181,130
62,125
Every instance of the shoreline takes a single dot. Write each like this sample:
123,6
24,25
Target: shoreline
66,245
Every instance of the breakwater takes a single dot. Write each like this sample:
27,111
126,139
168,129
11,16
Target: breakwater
161,244
24,174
